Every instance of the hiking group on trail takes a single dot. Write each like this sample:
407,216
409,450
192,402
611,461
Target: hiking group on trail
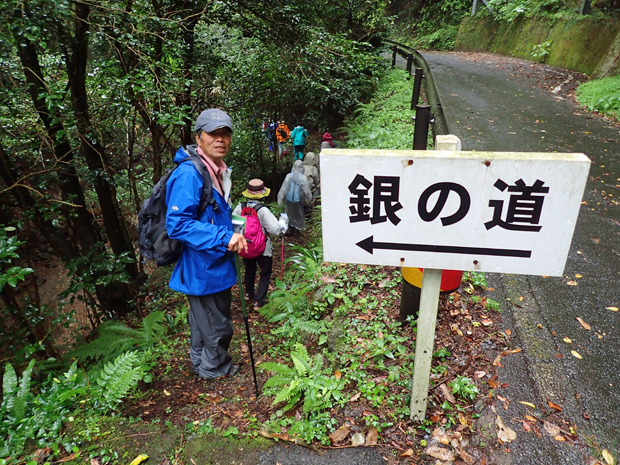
189,219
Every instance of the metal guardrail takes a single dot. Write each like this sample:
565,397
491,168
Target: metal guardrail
430,88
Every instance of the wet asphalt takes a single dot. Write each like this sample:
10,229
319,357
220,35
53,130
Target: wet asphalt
492,108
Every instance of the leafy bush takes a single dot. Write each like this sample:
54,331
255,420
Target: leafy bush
602,95
540,52
8,252
464,387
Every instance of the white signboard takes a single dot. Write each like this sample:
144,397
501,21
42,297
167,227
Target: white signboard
499,212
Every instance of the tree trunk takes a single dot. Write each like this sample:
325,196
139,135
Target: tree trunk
77,214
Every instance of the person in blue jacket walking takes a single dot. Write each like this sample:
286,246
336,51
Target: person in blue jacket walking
298,136
206,270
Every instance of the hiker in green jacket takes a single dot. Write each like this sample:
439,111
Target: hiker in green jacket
298,136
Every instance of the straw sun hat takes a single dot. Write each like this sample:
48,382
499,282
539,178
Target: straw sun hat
256,189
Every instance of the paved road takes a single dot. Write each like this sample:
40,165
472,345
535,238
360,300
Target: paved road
492,108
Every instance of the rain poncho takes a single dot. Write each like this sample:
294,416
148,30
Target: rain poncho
311,170
294,194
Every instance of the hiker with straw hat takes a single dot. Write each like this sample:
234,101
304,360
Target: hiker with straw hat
256,191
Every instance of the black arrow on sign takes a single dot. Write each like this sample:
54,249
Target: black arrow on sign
369,245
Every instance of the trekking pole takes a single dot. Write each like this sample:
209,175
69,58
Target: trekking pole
245,320
282,259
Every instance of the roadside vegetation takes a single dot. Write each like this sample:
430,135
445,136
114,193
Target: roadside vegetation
601,95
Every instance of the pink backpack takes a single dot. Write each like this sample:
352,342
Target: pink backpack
253,231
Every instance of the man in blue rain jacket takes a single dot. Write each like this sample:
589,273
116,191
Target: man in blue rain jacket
206,270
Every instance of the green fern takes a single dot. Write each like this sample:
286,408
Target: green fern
115,338
117,378
14,399
306,379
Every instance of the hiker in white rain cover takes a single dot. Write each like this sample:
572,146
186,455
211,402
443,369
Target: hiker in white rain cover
295,193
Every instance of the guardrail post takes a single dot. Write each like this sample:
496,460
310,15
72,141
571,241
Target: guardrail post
422,121
409,63
417,84
394,48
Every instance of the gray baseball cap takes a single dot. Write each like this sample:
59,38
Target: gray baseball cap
212,119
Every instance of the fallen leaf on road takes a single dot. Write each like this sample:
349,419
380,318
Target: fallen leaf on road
493,383
578,276
559,437
358,439
454,327
504,433
583,323
608,457
498,361
531,418
554,406
468,459
340,434
529,404
372,436
576,354
552,429
407,453
356,397
440,453
166,393
568,340
480,374
572,283
139,459
446,392
442,436
613,309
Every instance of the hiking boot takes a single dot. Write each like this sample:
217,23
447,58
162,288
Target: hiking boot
258,305
247,297
233,371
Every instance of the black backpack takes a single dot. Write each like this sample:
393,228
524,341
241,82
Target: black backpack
153,240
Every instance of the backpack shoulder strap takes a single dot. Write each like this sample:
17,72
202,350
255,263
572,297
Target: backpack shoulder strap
258,206
207,188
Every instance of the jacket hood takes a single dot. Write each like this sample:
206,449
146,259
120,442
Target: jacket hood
185,152
298,167
311,159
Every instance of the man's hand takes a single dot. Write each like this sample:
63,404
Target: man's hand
237,243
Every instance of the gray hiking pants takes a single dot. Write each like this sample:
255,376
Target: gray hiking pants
211,330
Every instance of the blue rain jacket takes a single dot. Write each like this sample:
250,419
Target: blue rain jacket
205,266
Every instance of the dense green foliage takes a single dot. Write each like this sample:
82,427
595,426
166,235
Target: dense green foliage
429,25
98,97
386,121
602,95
